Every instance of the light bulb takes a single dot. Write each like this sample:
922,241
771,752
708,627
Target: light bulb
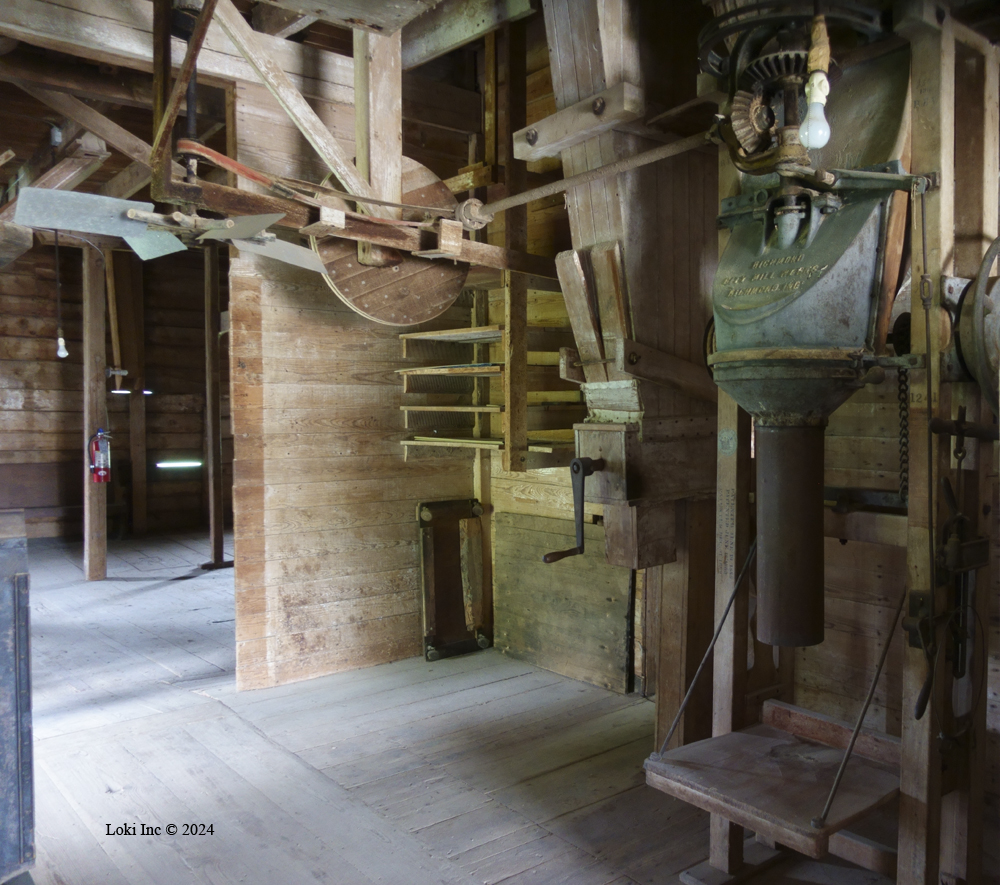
61,350
815,130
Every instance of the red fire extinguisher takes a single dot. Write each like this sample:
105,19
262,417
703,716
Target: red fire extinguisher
99,448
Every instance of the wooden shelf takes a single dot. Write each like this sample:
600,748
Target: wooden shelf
546,447
774,783
475,335
491,409
470,370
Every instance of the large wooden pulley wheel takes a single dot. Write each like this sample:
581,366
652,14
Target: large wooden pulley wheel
410,292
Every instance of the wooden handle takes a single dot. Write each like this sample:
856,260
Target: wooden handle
561,554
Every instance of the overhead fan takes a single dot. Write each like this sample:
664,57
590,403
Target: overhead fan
151,235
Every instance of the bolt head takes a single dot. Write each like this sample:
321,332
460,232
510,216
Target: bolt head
531,136
598,106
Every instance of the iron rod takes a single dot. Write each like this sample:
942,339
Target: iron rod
711,647
818,822
626,165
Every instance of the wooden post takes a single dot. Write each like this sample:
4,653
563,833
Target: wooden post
213,413
686,622
95,500
732,530
128,286
515,340
932,60
378,127
977,154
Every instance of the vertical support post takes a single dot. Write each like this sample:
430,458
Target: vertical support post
686,622
162,11
977,133
378,127
128,285
213,413
515,340
932,60
95,500
732,531
483,459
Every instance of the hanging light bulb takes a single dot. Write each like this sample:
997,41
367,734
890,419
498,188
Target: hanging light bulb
815,130
61,350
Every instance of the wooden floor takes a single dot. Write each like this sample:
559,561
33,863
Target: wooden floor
477,769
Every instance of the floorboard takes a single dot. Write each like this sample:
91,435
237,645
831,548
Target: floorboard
474,769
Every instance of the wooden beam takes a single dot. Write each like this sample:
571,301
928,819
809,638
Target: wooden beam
279,22
116,344
665,370
213,413
101,126
129,298
165,120
15,240
95,502
582,315
301,114
383,17
732,530
120,34
411,239
132,179
621,103
85,156
684,593
378,128
932,73
124,87
452,24
512,56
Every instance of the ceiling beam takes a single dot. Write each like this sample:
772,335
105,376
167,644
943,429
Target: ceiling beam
124,87
15,240
83,158
120,32
119,138
279,22
454,23
291,100
381,17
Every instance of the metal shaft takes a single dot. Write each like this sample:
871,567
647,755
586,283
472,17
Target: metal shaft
790,529
626,165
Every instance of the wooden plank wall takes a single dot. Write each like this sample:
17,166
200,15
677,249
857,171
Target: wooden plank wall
569,617
864,579
41,395
327,555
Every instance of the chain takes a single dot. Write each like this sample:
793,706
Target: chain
904,434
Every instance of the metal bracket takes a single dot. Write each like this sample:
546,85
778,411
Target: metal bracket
917,622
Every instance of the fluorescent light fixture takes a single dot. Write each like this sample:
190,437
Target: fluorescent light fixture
120,391
174,465
147,392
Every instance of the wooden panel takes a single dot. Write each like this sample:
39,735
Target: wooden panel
569,616
327,553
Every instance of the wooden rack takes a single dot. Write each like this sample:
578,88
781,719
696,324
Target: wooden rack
470,412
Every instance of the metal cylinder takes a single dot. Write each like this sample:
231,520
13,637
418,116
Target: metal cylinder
789,535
